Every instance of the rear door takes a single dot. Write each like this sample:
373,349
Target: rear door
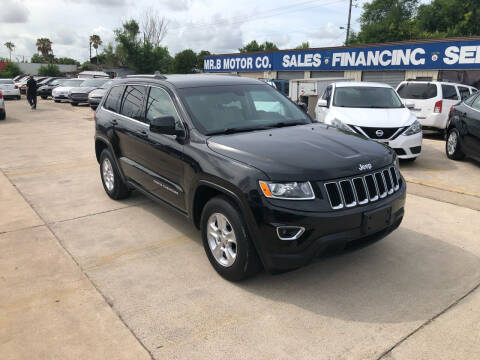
450,96
423,95
321,111
464,92
131,133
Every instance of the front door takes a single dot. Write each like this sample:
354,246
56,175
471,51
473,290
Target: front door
165,155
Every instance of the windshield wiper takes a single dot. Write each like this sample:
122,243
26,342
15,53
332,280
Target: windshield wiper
287,123
233,130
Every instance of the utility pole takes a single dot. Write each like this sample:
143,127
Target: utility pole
348,24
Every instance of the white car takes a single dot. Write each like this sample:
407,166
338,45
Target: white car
3,112
61,92
433,99
372,110
9,89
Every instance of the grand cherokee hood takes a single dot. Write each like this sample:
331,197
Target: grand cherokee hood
380,118
306,152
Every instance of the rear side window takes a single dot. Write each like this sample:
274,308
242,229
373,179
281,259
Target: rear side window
464,92
471,99
449,92
132,104
419,91
112,102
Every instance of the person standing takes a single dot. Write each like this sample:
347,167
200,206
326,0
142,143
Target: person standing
32,92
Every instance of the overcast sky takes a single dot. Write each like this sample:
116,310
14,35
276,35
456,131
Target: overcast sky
220,26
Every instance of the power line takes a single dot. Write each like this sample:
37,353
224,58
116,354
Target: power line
253,18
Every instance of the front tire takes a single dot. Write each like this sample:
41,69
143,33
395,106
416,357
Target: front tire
74,103
452,145
226,240
57,101
111,179
44,97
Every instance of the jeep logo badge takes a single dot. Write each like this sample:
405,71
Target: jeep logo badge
379,133
363,167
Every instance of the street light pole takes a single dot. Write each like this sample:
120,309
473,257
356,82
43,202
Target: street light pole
348,24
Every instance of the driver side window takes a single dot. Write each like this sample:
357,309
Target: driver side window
160,104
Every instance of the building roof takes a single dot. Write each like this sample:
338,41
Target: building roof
360,84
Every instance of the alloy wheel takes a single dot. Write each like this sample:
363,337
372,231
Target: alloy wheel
108,175
221,239
452,143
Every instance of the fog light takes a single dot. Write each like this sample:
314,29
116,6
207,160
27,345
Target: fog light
290,232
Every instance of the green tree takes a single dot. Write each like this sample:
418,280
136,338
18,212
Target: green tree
37,59
139,53
386,20
201,57
49,70
253,46
87,65
10,70
10,46
305,45
66,61
95,41
185,62
443,18
44,46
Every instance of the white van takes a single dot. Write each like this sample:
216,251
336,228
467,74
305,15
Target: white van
433,100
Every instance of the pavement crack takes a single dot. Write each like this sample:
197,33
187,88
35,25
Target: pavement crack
426,323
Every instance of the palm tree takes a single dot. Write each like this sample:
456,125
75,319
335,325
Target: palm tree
44,46
95,41
10,46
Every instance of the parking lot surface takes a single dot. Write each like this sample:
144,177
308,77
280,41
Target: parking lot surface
83,276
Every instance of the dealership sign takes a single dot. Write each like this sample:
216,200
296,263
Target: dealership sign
440,55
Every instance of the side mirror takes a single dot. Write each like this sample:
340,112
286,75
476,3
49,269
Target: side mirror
164,125
322,103
303,106
409,105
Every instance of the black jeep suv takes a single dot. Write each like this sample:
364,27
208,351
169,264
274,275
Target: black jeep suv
265,184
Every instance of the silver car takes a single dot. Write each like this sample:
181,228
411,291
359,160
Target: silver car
79,95
61,92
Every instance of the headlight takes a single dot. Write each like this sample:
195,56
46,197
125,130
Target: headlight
415,128
341,125
288,190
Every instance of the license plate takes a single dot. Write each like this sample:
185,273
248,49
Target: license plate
376,220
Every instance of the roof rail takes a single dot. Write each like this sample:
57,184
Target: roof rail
156,75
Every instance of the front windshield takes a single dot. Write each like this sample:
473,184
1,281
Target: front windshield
94,82
366,97
58,81
106,85
217,109
73,83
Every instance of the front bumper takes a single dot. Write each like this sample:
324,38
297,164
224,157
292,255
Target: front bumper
406,147
78,97
323,230
60,97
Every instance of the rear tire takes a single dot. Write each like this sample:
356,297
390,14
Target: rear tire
3,114
111,179
19,97
226,240
452,145
44,97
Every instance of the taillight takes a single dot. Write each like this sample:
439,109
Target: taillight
16,86
438,107
1,95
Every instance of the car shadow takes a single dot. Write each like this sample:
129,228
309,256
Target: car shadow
402,278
